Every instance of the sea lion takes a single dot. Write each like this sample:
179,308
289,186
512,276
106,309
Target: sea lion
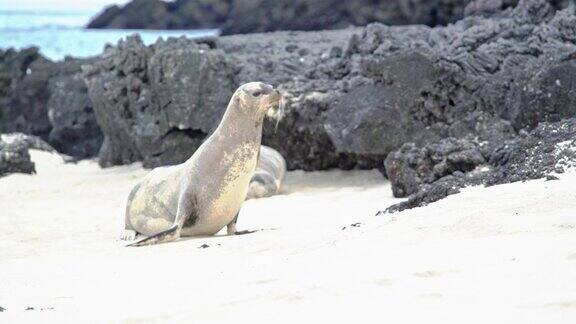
204,194
269,174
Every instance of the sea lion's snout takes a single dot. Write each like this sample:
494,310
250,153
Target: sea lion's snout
274,97
276,110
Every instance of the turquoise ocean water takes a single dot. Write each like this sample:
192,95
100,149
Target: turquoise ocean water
61,33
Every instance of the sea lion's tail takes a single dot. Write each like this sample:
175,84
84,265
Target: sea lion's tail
168,235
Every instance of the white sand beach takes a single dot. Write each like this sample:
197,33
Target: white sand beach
505,254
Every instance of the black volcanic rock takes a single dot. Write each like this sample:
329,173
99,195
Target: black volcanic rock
202,13
137,14
410,167
14,152
75,131
27,141
352,96
158,103
250,16
549,148
156,14
47,99
24,92
105,18
15,159
494,7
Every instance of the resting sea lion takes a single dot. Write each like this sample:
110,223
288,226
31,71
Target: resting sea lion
269,174
204,194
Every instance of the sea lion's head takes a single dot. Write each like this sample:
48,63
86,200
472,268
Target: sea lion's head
256,98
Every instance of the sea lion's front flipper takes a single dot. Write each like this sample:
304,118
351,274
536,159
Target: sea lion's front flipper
231,227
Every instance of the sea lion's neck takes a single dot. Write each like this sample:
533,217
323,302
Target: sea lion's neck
237,126
236,132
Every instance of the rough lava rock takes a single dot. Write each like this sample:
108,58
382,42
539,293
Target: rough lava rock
158,103
47,99
27,141
410,167
352,96
24,92
156,14
14,154
137,14
75,131
495,7
15,159
548,149
289,60
105,19
251,16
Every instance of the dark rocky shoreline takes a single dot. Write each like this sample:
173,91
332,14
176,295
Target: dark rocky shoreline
438,104
253,16
15,155
441,169
48,99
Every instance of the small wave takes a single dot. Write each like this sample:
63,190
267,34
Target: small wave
58,43
45,13
38,28
59,33
26,20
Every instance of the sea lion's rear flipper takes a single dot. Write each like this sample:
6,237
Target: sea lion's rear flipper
173,233
168,235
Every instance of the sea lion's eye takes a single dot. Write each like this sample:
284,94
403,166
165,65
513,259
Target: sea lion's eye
256,94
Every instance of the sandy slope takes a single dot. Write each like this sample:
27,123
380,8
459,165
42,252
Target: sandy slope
505,254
